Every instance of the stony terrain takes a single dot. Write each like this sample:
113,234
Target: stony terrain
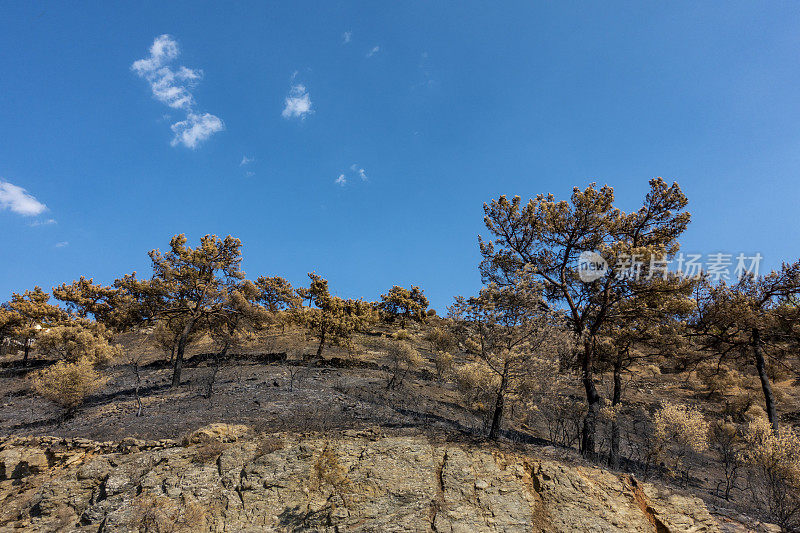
225,478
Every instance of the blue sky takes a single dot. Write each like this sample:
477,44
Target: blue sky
443,106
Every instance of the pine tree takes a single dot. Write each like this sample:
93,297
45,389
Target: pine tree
507,325
35,315
547,237
405,304
743,319
190,286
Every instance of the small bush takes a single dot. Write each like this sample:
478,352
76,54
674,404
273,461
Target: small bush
478,387
678,431
773,463
653,370
268,445
719,379
441,340
404,357
68,384
208,451
564,418
401,335
726,440
443,362
328,473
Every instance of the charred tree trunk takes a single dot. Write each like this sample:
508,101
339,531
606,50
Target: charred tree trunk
25,353
135,366
182,342
613,456
212,378
766,386
499,404
321,343
588,436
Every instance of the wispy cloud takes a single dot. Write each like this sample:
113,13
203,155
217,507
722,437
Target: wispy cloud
19,201
249,174
355,172
62,244
246,161
298,103
48,222
359,172
373,51
173,86
347,37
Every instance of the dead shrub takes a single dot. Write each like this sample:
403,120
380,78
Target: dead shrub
678,431
563,417
478,389
159,514
403,358
726,440
443,361
268,445
68,384
773,471
328,474
401,335
719,380
441,339
208,451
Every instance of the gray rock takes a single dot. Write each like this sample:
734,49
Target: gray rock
361,481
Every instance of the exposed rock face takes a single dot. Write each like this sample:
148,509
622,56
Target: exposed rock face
359,481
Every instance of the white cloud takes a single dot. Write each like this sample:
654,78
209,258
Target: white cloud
48,222
298,103
17,200
246,161
375,50
347,36
355,172
173,86
249,174
163,50
62,244
196,129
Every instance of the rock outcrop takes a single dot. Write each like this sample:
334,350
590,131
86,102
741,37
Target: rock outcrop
223,479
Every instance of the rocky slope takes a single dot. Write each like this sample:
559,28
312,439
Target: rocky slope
224,479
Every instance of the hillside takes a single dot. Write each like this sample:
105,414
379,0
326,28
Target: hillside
279,396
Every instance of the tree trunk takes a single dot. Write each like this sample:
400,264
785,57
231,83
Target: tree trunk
497,418
592,401
25,354
321,344
135,366
182,342
766,386
613,456
212,378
